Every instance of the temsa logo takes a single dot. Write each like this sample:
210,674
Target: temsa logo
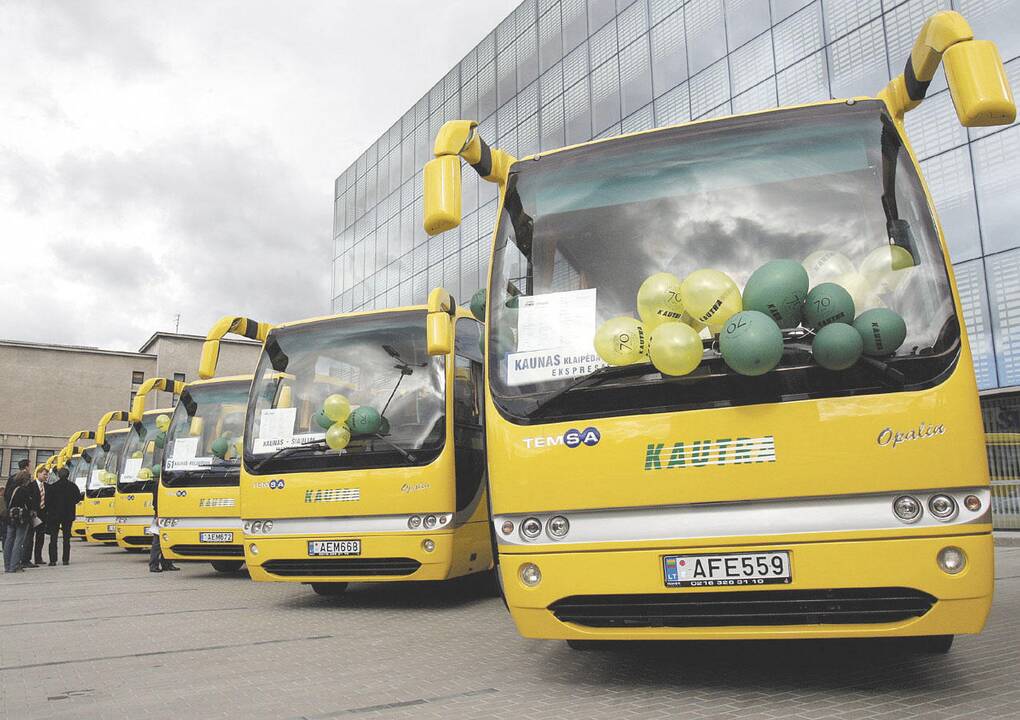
572,438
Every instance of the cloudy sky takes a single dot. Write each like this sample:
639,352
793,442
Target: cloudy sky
178,158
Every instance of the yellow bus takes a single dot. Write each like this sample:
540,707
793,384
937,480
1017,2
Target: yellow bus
101,485
757,481
77,461
199,498
139,471
363,455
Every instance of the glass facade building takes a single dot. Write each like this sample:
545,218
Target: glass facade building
557,72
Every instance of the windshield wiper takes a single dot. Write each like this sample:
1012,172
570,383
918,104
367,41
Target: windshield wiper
411,459
607,372
290,450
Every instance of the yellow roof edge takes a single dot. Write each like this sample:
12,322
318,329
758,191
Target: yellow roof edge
461,312
218,379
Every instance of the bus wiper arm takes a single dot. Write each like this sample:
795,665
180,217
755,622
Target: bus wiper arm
290,450
608,372
406,455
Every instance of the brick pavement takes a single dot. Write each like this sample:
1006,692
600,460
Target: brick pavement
105,639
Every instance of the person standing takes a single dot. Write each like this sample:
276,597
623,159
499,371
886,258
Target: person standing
62,496
37,530
22,464
157,563
19,511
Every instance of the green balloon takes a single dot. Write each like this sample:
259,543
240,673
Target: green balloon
160,439
365,420
478,305
384,427
322,420
826,304
881,330
156,470
837,346
778,289
751,343
220,447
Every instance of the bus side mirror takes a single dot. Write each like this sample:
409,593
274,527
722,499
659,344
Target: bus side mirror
197,425
442,194
978,84
441,309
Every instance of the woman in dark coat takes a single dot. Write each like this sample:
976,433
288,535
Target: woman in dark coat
23,503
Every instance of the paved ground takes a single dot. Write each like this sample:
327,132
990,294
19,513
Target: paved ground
105,639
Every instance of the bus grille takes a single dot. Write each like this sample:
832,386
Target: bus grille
104,536
208,550
754,607
138,540
360,567
79,531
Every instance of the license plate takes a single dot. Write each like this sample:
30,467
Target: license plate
216,537
728,569
334,547
111,528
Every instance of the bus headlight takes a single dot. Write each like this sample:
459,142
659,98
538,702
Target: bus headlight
951,560
557,527
907,508
256,527
942,506
531,528
507,527
414,522
530,574
429,522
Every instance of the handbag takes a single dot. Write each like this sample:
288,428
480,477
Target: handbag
16,516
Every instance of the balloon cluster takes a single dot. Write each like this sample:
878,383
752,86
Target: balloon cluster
162,424
749,325
341,422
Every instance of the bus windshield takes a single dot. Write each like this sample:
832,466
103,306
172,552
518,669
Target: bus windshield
102,480
203,441
79,469
143,456
379,363
583,228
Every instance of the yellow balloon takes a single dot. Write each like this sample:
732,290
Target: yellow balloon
675,348
338,436
886,267
826,266
658,300
337,407
861,290
621,341
136,454
162,422
108,478
688,319
239,446
711,297
145,474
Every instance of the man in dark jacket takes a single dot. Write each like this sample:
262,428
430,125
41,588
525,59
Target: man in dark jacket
36,532
61,498
157,563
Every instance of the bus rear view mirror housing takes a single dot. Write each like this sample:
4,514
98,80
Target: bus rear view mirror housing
439,321
978,84
442,201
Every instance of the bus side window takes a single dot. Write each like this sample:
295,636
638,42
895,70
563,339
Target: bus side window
468,419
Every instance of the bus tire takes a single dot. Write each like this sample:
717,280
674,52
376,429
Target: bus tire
329,589
226,566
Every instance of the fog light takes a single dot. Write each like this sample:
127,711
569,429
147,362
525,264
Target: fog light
507,527
907,509
531,528
530,574
952,560
414,522
558,526
165,537
253,549
972,503
428,545
942,506
429,522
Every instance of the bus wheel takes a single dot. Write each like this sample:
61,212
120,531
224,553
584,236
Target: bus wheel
329,589
935,644
226,566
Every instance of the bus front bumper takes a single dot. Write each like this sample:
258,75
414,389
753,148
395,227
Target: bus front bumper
383,558
134,532
78,527
621,594
204,544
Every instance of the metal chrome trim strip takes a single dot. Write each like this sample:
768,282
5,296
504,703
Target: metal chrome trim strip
841,513
109,519
134,519
204,523
344,525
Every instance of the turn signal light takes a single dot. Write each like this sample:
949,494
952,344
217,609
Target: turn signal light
972,503
951,560
530,574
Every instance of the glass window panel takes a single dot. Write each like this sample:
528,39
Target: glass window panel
527,102
527,57
469,191
643,119
506,31
706,33
525,15
422,146
709,89
996,178
469,65
970,282
551,82
782,9
858,64
635,76
760,97
486,90
844,16
1003,272
632,23
506,118
901,26
661,9
674,107
807,81
552,136
600,12
577,111
998,20
798,36
575,65
550,42
611,131
486,49
933,126
527,137
575,23
605,95
602,44
669,53
745,19
752,63
506,73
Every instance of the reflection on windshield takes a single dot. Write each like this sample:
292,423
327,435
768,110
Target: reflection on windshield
103,472
584,228
378,365
203,442
79,469
143,455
